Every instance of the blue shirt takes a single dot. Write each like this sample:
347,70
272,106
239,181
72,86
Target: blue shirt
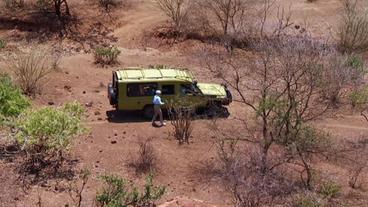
157,100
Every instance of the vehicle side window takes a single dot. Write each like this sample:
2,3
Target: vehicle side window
168,89
141,89
187,89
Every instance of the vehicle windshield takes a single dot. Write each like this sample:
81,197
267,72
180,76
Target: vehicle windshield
190,89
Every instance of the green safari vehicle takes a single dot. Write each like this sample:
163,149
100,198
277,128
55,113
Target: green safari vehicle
134,88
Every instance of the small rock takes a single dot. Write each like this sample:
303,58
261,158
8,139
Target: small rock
113,142
68,88
99,119
51,103
124,132
100,151
84,92
97,113
89,104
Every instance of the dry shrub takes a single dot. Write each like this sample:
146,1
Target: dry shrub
107,5
76,190
243,177
31,67
145,161
13,4
353,30
181,118
353,155
342,71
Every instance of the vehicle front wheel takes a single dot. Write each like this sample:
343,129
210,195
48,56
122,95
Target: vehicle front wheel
148,112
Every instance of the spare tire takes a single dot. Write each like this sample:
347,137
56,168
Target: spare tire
111,92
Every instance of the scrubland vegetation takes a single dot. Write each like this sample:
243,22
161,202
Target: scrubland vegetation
283,76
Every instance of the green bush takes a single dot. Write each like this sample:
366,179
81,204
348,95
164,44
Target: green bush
2,44
355,68
307,201
12,101
355,62
359,97
120,193
49,130
106,55
330,189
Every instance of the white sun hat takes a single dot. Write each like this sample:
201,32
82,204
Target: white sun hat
158,92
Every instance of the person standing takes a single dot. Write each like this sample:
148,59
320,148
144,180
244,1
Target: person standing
157,103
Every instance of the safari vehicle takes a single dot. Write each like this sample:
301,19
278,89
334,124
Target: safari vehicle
134,88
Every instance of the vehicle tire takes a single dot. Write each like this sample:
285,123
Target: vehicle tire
148,112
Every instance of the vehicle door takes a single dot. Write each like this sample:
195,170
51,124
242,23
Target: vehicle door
168,92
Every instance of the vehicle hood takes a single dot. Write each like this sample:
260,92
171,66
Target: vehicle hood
212,89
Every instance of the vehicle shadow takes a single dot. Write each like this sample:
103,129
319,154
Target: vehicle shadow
115,116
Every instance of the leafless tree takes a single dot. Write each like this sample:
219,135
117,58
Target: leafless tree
282,88
176,10
229,14
57,5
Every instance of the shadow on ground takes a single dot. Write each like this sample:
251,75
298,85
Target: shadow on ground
115,116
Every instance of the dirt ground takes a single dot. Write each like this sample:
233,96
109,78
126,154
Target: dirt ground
111,143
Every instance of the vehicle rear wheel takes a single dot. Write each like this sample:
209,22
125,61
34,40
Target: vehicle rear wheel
148,112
